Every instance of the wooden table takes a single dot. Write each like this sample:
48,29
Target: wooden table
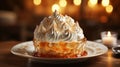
7,59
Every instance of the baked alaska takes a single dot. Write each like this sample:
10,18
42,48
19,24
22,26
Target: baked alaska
59,36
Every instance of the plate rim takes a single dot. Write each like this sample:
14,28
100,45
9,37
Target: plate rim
41,58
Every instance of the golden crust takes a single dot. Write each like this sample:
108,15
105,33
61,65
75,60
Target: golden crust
60,49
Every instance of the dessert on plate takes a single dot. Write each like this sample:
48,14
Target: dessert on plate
59,36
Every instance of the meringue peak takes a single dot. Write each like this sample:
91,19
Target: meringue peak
57,28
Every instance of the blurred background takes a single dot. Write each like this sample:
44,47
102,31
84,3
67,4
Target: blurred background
18,18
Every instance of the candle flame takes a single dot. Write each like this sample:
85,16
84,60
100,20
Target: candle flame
109,8
37,2
105,3
77,2
108,33
92,3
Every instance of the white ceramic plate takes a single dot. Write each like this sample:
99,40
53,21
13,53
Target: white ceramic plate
26,49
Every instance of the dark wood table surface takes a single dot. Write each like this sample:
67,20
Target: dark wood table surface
7,59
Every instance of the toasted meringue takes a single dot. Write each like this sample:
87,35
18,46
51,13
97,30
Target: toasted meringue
59,36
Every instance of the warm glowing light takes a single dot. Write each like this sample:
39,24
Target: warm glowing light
109,8
109,34
105,2
55,7
109,59
37,2
77,2
92,3
63,3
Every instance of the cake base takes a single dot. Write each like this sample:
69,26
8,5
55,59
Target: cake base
60,49
36,54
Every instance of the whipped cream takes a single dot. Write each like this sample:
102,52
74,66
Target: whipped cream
56,28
